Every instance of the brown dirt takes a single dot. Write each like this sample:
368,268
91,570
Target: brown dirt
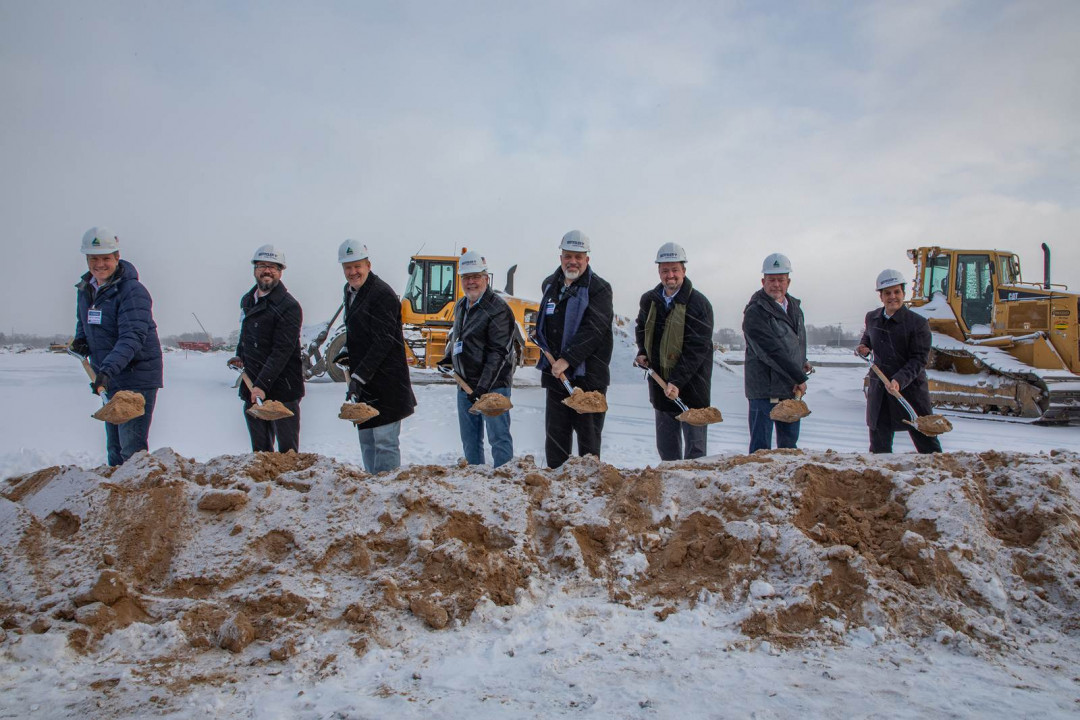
700,416
122,406
20,487
492,405
269,410
222,500
932,425
789,410
586,402
357,412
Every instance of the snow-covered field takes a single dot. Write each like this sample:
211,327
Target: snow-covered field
822,583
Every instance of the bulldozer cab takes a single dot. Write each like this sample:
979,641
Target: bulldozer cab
432,288
968,282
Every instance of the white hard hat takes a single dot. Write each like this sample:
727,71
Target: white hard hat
776,264
670,252
99,241
351,251
471,262
575,241
269,254
889,278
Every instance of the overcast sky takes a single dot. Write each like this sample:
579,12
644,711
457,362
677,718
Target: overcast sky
838,133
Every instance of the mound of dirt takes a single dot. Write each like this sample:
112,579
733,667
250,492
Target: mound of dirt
254,553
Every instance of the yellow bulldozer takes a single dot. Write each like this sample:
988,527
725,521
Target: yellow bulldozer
427,315
1000,345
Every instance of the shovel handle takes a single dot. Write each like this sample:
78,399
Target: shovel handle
903,401
663,386
462,384
250,386
561,376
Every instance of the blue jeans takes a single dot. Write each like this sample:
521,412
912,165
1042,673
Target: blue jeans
124,440
472,432
379,446
761,427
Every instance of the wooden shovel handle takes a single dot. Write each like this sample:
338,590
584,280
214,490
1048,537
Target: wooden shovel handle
461,382
884,380
551,359
89,370
249,384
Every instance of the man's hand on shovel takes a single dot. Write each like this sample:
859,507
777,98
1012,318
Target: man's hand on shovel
100,385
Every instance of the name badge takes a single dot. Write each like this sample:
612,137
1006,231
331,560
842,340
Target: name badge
457,347
93,317
549,309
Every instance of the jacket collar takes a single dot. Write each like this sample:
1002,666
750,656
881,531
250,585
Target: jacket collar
682,297
124,269
273,297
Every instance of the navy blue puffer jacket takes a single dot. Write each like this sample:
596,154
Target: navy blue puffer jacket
124,342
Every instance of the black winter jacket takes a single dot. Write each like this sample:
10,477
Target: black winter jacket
486,360
270,344
775,347
589,350
901,346
377,351
124,340
692,373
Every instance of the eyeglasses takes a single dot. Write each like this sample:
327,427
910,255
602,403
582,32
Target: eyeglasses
267,266
473,277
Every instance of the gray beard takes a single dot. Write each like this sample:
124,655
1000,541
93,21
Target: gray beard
267,284
571,276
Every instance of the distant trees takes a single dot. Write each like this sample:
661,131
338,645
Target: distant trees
828,335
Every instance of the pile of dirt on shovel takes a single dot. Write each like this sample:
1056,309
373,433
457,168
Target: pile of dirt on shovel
249,554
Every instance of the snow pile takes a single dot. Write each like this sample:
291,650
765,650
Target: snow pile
252,553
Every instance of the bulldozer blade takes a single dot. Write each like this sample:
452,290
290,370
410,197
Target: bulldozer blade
700,416
357,412
269,410
124,405
491,405
586,402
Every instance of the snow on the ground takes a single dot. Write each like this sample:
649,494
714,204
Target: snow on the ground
203,580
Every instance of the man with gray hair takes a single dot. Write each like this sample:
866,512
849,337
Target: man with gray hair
776,366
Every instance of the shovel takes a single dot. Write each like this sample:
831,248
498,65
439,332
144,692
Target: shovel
123,406
695,416
356,412
790,410
580,401
490,404
269,410
929,425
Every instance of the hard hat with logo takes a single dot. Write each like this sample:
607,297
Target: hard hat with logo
889,278
268,254
472,262
670,252
575,241
351,251
776,264
99,241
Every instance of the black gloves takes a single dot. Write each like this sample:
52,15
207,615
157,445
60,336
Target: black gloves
476,393
100,384
358,392
79,346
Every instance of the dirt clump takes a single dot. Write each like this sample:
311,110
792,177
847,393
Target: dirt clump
122,406
789,410
357,412
222,500
700,416
492,404
592,401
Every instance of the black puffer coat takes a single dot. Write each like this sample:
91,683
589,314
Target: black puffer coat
692,373
484,331
901,346
270,344
377,351
775,347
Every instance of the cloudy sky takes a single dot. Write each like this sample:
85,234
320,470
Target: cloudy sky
839,133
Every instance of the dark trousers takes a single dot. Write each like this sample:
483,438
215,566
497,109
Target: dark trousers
761,427
881,439
286,430
124,440
678,440
560,425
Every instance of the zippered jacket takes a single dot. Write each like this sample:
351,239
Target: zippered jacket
484,330
775,347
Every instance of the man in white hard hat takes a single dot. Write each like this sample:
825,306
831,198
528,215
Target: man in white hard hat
674,332
575,328
776,366
480,350
375,355
115,329
900,340
269,352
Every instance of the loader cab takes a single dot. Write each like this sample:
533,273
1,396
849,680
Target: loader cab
432,285
975,289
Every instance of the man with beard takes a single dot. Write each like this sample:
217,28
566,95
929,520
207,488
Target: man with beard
776,366
575,328
375,355
269,352
900,340
116,332
674,337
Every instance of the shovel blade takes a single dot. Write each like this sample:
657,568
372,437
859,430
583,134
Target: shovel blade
269,410
357,412
789,410
700,416
491,405
931,425
122,406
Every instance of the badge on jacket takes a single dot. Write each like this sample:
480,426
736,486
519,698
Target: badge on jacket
93,317
457,347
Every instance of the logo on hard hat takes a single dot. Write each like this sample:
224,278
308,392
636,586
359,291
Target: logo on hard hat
776,263
348,251
95,243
